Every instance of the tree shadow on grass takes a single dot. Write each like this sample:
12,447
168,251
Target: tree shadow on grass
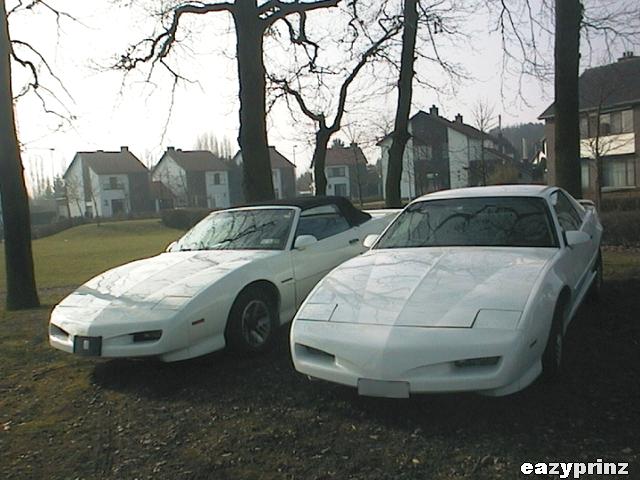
596,398
217,374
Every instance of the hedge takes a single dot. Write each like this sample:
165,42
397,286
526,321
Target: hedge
183,218
621,227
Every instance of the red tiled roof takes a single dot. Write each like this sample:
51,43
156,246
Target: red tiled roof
345,156
276,159
608,86
112,163
197,160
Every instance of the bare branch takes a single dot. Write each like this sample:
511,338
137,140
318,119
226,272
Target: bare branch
160,46
274,10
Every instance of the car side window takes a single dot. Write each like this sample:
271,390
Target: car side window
568,217
322,222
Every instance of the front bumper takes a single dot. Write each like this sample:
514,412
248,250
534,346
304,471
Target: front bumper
428,359
116,339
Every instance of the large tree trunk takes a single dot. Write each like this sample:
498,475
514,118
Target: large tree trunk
567,126
319,158
21,283
400,134
256,166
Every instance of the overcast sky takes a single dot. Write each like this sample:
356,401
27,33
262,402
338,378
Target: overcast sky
109,113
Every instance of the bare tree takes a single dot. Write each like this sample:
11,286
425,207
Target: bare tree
567,99
325,127
252,20
220,147
21,286
526,25
600,140
74,193
304,182
400,135
21,282
484,120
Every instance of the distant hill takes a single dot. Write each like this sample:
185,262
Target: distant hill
531,132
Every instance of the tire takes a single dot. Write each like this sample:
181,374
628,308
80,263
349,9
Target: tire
252,322
552,357
595,291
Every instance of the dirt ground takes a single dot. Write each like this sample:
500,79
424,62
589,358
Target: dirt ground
220,417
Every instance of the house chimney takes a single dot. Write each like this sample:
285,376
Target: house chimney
459,118
626,56
124,149
433,111
171,149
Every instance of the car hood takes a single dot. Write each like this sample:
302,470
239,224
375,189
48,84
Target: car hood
429,287
166,281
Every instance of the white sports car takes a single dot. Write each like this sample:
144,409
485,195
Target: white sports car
232,279
466,290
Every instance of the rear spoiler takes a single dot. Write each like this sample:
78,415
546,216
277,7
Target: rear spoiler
383,212
587,203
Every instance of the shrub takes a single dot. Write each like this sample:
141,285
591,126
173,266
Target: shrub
621,227
183,218
40,231
620,201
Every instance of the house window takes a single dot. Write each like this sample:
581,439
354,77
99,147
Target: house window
340,189
584,126
618,172
584,168
593,125
216,179
113,183
336,172
614,123
605,124
627,121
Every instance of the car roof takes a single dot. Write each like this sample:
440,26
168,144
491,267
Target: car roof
303,203
353,215
491,191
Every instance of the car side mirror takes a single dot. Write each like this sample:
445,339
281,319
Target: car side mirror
304,241
576,237
170,246
369,240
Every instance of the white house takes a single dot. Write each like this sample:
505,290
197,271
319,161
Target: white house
283,174
107,184
346,170
197,178
442,154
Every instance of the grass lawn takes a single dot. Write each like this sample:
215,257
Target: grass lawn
73,256
223,417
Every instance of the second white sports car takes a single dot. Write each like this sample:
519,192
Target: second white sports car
469,289
232,279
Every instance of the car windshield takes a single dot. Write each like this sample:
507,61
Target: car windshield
250,229
481,221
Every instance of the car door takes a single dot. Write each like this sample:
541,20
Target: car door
337,242
577,259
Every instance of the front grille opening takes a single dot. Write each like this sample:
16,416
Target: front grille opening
57,332
305,350
149,336
477,362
